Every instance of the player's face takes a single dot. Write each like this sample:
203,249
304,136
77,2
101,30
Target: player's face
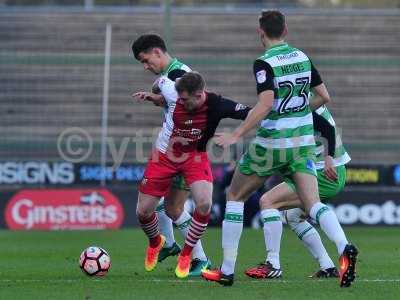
192,102
151,61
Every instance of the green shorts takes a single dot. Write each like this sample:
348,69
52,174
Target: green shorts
326,187
266,162
178,182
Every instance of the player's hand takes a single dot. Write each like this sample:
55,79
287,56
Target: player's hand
141,96
147,96
224,139
330,170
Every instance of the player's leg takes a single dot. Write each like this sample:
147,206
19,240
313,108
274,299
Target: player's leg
171,248
278,197
165,224
304,230
156,183
198,175
249,175
242,186
202,195
307,189
239,191
311,239
309,236
175,206
148,220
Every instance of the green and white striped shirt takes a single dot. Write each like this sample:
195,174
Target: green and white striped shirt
341,157
290,74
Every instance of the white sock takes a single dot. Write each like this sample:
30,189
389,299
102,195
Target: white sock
272,235
309,236
165,225
232,227
329,223
183,223
312,241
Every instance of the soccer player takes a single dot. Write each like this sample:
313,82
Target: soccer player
193,122
151,51
284,144
331,176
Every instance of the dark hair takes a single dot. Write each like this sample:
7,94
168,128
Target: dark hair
272,22
191,82
147,42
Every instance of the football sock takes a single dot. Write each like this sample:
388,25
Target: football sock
197,227
165,224
183,223
312,241
272,235
232,227
150,228
329,223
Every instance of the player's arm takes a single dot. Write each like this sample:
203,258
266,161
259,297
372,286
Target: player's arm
156,99
154,96
265,89
328,133
320,92
228,108
155,89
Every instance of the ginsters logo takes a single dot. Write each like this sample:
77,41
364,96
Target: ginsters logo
57,209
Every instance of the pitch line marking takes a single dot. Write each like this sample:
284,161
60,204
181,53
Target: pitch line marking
183,281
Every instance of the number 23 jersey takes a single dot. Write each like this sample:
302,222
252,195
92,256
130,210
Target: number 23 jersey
290,74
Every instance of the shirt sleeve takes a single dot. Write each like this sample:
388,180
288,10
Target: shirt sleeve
327,131
264,76
315,77
167,85
231,109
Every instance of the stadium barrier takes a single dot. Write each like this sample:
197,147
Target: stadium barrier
60,195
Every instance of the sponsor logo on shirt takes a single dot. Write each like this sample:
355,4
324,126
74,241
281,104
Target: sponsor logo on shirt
287,56
240,106
310,165
261,76
192,134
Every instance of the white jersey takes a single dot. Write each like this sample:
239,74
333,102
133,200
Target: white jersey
166,84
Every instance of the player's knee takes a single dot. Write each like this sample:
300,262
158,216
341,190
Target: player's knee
140,214
203,205
234,194
266,202
143,212
294,216
173,212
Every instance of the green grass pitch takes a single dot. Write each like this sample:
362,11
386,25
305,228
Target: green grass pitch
44,265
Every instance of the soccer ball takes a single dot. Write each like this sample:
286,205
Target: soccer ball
95,261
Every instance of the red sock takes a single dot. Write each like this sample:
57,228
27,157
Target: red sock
197,227
150,228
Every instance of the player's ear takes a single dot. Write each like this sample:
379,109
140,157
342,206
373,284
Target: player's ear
201,94
285,31
157,51
260,32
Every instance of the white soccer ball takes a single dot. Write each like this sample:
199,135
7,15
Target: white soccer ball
95,261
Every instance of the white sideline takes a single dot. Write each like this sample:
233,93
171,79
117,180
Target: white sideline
196,281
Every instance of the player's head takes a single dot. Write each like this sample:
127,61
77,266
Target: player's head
151,51
272,26
190,88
